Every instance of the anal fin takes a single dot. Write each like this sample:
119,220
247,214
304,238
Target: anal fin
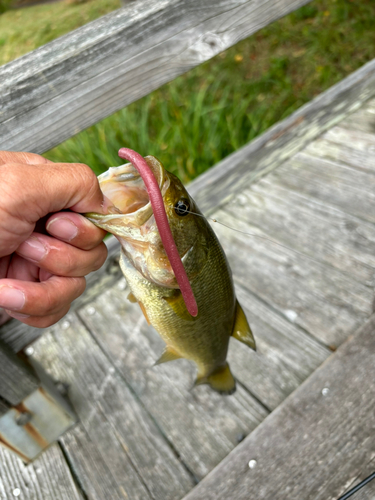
221,380
144,312
241,329
169,354
131,298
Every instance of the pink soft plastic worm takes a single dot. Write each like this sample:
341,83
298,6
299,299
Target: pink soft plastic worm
162,223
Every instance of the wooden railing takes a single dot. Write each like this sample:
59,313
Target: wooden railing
73,82
56,91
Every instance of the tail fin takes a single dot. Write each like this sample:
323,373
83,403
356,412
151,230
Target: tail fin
221,381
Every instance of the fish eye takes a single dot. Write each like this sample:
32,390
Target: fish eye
182,207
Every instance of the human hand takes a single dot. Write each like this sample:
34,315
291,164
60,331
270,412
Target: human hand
45,252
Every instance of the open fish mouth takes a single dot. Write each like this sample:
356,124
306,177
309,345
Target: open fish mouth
139,220
125,188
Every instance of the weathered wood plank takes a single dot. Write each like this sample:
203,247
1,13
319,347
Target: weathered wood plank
285,354
75,81
314,296
202,425
325,233
17,379
368,491
362,120
48,477
333,183
314,444
350,147
4,406
117,451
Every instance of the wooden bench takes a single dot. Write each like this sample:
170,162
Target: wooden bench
141,432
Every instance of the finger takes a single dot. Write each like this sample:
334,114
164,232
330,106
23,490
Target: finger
60,258
50,188
47,298
76,229
21,157
39,322
22,269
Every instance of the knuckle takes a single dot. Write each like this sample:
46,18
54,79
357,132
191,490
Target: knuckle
67,264
33,158
53,301
101,257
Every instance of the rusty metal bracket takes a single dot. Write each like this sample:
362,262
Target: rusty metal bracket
31,426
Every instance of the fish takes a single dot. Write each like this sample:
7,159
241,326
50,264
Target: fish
201,336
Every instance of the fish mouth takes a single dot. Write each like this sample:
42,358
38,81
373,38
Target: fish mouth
125,189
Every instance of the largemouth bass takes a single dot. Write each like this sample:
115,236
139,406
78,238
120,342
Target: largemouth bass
204,337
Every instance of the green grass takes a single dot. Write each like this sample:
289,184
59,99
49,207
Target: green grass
23,30
214,109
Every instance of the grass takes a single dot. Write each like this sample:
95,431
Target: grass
23,30
214,109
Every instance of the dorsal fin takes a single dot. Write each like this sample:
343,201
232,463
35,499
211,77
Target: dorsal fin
241,329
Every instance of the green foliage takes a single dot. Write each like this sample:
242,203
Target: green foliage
26,29
306,12
4,5
214,109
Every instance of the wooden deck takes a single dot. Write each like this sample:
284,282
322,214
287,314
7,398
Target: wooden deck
145,434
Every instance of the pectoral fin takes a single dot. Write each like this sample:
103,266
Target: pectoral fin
169,354
177,303
221,380
241,329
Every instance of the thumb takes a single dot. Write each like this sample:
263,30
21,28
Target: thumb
50,187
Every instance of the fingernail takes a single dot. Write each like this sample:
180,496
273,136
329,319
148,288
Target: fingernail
11,298
32,249
62,228
17,315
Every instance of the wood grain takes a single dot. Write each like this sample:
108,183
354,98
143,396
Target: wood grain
54,92
48,477
333,183
4,406
314,296
17,379
313,446
116,451
351,147
286,355
362,120
311,227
